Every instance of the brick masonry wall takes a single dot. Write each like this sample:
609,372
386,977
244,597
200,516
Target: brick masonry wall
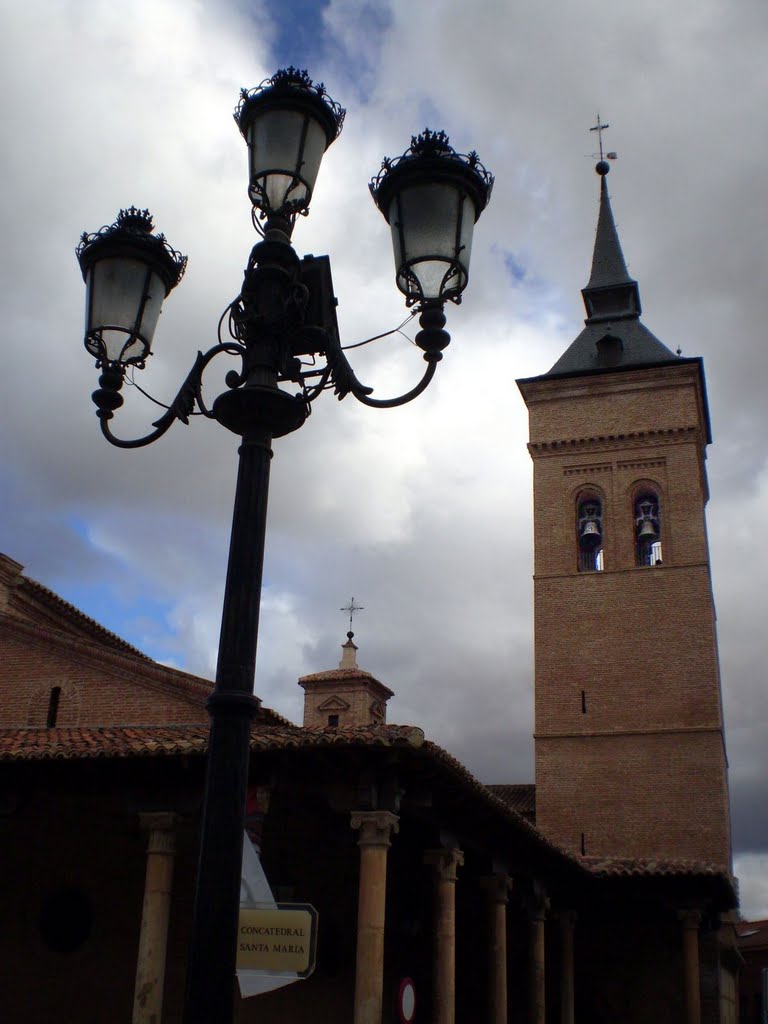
357,694
615,403
629,745
626,650
654,796
93,691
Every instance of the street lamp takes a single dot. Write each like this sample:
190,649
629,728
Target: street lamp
431,197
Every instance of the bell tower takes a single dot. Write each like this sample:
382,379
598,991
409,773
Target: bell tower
630,754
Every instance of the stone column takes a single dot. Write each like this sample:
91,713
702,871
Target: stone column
497,888
446,862
375,829
567,922
690,920
150,967
537,912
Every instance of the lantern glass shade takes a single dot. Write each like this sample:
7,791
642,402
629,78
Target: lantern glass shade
431,197
285,149
124,299
128,272
432,226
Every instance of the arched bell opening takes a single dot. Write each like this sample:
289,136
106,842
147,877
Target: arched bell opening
589,532
647,528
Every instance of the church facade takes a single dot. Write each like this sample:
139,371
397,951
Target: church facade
603,894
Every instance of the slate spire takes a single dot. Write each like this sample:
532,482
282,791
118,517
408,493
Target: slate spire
613,336
611,292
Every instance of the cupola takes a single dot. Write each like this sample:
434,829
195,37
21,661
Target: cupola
344,696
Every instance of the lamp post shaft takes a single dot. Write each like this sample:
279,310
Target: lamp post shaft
211,964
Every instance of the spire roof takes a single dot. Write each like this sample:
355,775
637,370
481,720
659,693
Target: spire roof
608,265
613,336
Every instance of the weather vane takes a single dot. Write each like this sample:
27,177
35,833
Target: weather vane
600,128
352,608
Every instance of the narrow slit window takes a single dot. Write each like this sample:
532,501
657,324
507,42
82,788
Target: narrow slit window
647,529
53,707
589,534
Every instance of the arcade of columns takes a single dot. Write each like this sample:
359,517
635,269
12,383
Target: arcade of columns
376,829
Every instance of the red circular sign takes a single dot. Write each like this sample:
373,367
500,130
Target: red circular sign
406,1001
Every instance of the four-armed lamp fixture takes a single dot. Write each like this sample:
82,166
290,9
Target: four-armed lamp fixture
280,323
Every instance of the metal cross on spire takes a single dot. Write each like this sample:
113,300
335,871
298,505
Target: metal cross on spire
600,128
352,608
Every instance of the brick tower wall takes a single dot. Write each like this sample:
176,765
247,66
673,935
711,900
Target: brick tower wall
629,731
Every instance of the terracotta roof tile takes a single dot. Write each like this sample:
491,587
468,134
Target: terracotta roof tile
336,675
41,744
521,797
618,867
752,934
345,675
83,621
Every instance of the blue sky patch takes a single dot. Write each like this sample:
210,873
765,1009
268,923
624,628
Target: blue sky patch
515,268
299,33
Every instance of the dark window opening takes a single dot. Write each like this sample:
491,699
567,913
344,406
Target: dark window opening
65,920
583,702
583,845
647,529
53,707
333,720
589,535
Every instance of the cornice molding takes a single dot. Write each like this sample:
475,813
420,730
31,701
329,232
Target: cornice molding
613,442
618,733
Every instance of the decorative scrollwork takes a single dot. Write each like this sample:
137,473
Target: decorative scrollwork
345,382
189,395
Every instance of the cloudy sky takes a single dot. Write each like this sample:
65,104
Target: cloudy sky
424,513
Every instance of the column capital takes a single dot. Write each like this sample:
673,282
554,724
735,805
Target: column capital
163,821
689,918
161,826
496,887
375,827
567,918
446,860
537,903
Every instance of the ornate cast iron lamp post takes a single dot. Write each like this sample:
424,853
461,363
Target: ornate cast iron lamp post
431,197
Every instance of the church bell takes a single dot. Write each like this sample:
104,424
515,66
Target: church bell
590,535
647,522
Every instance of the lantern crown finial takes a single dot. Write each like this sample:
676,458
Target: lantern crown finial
430,143
134,219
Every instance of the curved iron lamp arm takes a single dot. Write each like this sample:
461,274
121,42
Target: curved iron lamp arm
432,338
108,399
